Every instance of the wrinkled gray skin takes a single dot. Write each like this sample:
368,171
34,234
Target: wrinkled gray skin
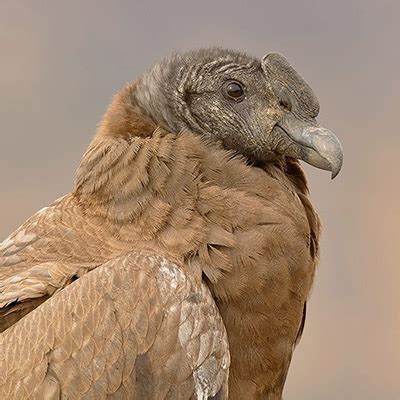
276,118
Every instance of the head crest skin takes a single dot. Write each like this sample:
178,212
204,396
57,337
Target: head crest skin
162,90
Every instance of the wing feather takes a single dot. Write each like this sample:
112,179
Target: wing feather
42,256
138,326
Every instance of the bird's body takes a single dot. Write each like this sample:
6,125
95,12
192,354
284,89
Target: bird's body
130,281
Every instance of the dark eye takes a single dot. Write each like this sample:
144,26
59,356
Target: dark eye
234,91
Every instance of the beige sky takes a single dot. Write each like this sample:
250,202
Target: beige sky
62,61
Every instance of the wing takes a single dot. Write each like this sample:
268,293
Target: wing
46,253
137,327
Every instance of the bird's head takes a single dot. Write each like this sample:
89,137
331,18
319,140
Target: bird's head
261,108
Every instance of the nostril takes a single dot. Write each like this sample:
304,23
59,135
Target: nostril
286,104
284,101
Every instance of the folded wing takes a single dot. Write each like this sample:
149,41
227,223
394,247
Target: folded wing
137,327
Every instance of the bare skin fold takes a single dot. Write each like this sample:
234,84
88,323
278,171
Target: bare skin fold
180,265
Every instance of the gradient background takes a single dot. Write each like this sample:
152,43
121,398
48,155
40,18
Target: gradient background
60,62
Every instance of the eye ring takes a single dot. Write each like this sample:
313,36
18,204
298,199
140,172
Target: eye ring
234,91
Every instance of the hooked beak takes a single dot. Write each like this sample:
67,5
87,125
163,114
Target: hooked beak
316,145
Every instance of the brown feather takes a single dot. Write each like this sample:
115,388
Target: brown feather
251,231
131,331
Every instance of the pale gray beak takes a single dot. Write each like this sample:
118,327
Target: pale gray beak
316,145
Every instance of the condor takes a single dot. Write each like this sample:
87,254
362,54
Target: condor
180,265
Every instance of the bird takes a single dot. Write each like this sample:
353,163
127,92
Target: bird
180,265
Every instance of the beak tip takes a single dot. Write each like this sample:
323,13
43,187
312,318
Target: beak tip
336,169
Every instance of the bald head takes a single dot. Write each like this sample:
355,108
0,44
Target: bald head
262,109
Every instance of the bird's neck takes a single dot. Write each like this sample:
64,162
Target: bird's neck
179,192
240,227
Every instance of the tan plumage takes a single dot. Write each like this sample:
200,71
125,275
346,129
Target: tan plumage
147,302
122,264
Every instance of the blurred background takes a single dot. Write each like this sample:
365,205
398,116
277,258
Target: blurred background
60,62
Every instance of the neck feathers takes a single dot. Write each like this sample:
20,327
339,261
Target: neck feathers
180,191
125,118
